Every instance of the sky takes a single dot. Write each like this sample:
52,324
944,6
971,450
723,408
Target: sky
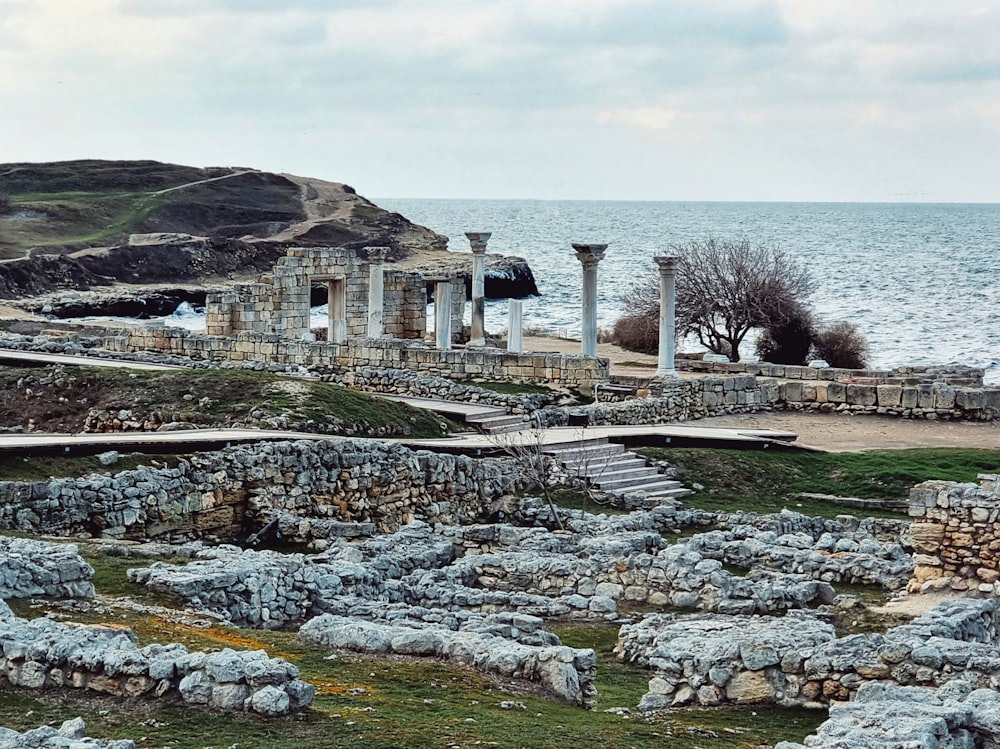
755,100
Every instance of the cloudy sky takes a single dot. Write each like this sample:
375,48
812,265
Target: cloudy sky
856,100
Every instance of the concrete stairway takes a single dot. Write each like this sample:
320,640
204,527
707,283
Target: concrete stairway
497,422
610,467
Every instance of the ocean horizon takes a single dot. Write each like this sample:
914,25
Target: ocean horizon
920,280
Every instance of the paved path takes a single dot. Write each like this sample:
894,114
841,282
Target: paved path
180,441
646,435
12,355
451,408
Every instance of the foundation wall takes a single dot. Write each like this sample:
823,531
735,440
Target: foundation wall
491,364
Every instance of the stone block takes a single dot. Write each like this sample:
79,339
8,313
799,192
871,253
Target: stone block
944,395
791,392
861,395
836,392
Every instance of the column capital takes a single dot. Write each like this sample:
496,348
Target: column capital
377,255
589,254
667,263
478,240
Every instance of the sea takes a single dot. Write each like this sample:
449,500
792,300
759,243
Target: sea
920,280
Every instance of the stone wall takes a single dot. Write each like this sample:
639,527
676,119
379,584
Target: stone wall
677,400
72,733
885,716
280,301
798,660
953,374
956,536
931,400
224,495
41,654
491,364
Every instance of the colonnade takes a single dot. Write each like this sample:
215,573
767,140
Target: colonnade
589,255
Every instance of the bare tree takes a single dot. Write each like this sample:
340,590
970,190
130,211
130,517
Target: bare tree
726,288
527,449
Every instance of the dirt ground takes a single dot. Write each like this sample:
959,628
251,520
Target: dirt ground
842,433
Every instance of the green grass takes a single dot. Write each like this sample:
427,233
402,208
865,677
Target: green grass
761,481
82,218
369,703
42,468
216,397
508,388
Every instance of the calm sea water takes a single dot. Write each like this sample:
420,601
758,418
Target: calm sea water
921,280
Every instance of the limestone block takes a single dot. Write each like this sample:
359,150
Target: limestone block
836,392
925,396
861,395
889,395
969,399
944,395
748,687
927,537
791,391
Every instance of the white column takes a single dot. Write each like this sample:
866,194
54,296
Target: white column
376,291
515,343
478,240
668,280
442,314
589,256
336,305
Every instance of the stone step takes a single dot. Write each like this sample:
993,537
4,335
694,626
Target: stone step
656,488
577,456
503,422
627,483
603,478
614,465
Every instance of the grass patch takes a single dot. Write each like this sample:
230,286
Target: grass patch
375,703
43,468
60,399
761,481
508,388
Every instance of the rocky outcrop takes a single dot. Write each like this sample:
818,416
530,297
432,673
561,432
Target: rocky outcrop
175,224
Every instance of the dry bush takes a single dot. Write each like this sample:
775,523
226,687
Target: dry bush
790,341
637,333
842,345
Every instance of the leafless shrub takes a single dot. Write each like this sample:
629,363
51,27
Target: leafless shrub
842,344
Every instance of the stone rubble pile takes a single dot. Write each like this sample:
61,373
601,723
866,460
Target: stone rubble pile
72,734
34,568
796,660
886,716
830,557
708,660
568,673
41,653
